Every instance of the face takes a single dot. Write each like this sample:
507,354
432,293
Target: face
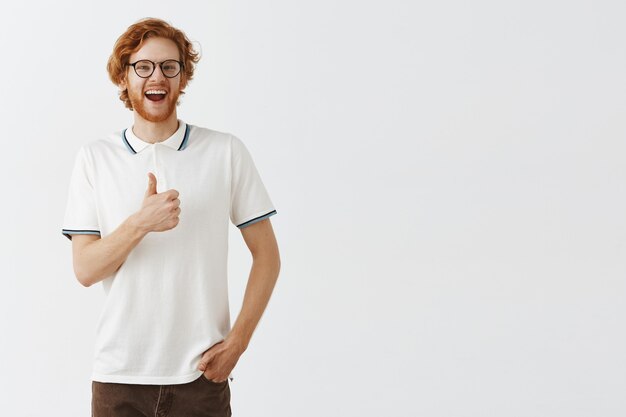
154,107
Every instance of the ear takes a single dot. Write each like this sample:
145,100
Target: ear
122,84
183,82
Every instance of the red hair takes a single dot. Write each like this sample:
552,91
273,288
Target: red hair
132,40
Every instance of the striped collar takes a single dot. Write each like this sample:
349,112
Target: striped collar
178,141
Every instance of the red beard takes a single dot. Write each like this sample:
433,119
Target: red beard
137,101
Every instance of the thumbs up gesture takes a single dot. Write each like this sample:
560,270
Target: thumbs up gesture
159,211
152,182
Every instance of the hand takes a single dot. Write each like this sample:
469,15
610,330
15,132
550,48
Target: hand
218,362
159,211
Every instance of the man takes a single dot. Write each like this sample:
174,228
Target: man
164,344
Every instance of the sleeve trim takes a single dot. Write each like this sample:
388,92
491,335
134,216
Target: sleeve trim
256,219
68,232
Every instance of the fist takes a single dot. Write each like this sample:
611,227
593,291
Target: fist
159,211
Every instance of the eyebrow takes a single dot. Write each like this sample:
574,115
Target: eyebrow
148,59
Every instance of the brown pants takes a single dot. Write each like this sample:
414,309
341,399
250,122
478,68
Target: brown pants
199,398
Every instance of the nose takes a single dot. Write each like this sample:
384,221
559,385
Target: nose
157,74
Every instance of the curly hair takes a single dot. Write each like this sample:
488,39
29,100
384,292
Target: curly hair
132,40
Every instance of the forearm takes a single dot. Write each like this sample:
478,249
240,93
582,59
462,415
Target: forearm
261,282
101,258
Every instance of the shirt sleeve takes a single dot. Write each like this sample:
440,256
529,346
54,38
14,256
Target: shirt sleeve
81,216
249,200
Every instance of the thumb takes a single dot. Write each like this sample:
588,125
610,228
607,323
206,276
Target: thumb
206,358
151,185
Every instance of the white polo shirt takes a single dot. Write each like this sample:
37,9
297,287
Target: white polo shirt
168,302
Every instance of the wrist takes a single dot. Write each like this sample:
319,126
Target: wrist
238,340
133,224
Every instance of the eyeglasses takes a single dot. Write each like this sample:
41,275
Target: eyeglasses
144,68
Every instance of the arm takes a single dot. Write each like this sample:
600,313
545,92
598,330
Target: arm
260,239
96,258
220,359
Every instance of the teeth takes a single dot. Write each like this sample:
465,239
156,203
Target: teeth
155,92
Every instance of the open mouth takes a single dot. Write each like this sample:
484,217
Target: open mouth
155,95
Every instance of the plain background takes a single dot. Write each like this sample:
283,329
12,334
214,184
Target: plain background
449,181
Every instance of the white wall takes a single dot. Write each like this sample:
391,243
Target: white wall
449,181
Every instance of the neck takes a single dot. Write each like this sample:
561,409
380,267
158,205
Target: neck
153,132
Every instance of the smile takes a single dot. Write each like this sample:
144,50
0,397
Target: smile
155,95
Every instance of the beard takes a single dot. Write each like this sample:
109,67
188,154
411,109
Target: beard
137,101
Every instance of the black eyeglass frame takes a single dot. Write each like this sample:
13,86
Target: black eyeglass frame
154,65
